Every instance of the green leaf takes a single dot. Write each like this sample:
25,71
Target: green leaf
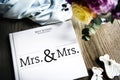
97,21
86,37
96,26
92,30
111,19
85,31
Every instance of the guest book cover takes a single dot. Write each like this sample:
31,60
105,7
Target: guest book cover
47,53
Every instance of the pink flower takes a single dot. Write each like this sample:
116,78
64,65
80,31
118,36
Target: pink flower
102,6
116,11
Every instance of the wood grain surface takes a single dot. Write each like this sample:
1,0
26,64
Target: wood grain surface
105,41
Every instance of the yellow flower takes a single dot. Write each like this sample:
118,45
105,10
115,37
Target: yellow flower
82,13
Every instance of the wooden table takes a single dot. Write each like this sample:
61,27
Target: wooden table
105,41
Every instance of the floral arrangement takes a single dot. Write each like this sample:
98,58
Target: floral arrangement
93,13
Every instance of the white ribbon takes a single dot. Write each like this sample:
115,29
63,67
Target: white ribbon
40,11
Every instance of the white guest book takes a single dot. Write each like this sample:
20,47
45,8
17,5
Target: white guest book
47,53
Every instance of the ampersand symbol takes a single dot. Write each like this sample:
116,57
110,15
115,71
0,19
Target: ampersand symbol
47,53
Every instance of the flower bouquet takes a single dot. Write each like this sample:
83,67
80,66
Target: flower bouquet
93,13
